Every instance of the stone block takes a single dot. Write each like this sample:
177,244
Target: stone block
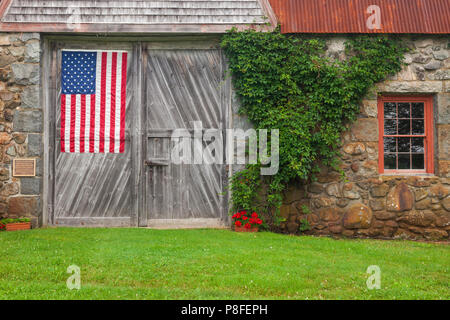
446,203
355,148
30,186
384,215
25,73
419,218
32,51
4,40
439,191
423,204
358,216
27,121
377,204
34,145
433,65
23,206
30,97
380,190
443,136
435,234
9,189
441,55
30,36
444,168
365,129
410,87
400,199
329,214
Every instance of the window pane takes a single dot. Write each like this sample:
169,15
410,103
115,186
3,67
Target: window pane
404,110
390,127
404,161
404,126
404,144
390,110
418,161
390,161
418,127
417,145
390,145
417,110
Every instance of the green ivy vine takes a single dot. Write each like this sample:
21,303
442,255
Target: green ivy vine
287,82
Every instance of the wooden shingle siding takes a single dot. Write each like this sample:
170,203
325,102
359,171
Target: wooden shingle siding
136,12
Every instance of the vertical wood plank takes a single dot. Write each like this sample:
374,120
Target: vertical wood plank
141,105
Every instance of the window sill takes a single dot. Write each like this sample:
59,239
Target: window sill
407,174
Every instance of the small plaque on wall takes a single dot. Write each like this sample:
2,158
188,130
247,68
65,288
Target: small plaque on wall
24,167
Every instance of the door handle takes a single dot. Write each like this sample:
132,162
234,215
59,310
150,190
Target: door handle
156,162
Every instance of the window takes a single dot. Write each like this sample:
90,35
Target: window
406,134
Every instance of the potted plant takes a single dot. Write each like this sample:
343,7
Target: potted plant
246,222
15,224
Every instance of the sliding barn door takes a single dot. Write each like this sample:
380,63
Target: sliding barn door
184,87
92,189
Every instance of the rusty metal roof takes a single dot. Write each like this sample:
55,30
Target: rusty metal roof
134,15
351,16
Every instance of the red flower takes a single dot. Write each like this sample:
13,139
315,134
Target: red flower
238,223
252,220
254,215
244,218
247,226
259,221
244,212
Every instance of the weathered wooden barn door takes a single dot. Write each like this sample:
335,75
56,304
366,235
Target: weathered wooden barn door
92,189
184,87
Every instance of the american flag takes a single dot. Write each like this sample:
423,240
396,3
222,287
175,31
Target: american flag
93,101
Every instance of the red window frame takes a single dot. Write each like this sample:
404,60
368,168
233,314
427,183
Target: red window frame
428,134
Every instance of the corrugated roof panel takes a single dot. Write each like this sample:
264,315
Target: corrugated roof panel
350,16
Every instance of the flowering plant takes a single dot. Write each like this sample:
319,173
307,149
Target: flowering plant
246,219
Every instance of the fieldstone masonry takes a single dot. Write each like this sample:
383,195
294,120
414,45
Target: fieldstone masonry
20,124
365,203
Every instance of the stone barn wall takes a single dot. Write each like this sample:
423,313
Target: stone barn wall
367,204
20,123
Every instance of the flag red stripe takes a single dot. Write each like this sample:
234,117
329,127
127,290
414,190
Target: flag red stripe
92,125
123,102
63,122
112,125
73,100
82,121
102,102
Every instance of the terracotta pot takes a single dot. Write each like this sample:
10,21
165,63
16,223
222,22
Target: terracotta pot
242,229
18,226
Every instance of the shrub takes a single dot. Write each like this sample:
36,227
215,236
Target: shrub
286,82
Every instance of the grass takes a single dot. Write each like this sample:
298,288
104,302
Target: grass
215,264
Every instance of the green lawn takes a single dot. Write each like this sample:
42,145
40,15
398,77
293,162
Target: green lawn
215,264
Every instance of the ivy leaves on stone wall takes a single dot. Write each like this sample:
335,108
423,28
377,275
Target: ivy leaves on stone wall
286,82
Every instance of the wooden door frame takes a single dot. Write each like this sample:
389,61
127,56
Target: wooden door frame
138,130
